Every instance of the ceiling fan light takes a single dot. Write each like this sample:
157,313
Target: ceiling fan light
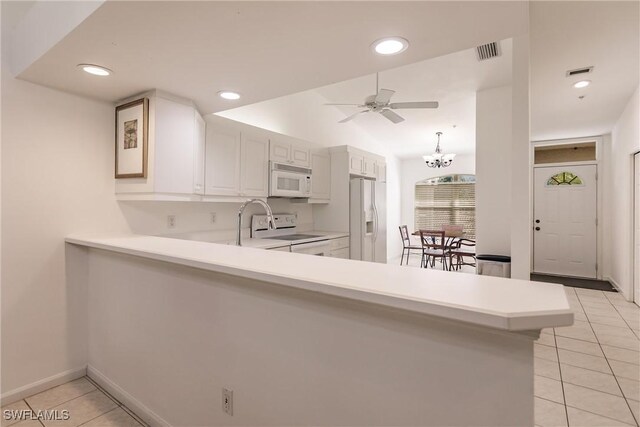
390,46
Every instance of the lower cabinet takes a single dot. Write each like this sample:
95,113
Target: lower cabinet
339,248
340,253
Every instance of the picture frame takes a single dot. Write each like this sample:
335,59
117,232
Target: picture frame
132,132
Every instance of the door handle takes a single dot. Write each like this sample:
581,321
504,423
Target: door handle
537,228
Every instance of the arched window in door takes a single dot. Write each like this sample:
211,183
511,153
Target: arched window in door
446,200
565,178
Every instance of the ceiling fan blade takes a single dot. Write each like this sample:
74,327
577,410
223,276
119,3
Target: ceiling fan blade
397,105
351,117
392,115
384,95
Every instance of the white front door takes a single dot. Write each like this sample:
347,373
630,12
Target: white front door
636,272
565,206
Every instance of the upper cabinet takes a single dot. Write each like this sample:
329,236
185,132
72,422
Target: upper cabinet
254,164
215,159
380,170
237,160
283,150
321,176
175,152
366,164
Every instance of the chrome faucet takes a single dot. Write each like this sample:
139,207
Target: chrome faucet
271,224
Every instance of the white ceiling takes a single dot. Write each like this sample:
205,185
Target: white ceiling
267,50
261,49
452,80
570,35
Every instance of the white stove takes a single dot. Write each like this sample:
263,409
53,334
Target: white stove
286,226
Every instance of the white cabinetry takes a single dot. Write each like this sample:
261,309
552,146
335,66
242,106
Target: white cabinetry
237,160
366,164
339,248
321,176
223,161
356,163
175,152
283,150
380,169
254,165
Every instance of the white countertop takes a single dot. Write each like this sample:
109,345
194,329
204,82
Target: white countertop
205,236
513,305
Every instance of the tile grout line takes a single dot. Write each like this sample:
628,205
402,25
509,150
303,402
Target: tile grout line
633,415
98,416
120,404
564,398
29,406
625,321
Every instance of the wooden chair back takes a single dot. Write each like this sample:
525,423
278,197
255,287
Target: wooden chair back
404,234
432,239
465,245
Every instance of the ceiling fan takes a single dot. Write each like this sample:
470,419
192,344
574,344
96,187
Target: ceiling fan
380,103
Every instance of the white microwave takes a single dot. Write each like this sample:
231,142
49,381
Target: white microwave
289,181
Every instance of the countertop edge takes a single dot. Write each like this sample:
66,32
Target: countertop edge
515,323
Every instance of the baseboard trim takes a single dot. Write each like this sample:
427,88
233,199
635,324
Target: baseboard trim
617,286
142,411
42,385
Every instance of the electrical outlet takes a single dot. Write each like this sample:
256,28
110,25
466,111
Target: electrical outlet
213,217
227,401
171,221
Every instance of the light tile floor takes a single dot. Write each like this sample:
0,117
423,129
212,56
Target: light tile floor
588,374
88,405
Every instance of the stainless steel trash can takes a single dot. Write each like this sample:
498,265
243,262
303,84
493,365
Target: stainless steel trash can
493,265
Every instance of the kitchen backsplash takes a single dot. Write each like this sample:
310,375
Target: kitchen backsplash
147,217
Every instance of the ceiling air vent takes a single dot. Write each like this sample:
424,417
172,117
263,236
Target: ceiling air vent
578,71
488,51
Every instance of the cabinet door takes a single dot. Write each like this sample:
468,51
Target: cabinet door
198,155
321,176
356,164
254,166
174,148
340,253
300,156
279,151
222,175
368,167
381,171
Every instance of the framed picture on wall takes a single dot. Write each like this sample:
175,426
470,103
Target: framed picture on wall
132,127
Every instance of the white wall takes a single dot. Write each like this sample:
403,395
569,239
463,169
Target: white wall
57,179
303,115
355,363
414,170
493,171
625,141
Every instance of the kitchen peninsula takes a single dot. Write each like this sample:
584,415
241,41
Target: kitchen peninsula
305,340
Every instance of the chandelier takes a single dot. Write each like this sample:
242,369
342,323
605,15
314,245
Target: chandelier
439,160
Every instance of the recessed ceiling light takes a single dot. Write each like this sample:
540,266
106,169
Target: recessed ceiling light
582,83
96,70
390,45
227,94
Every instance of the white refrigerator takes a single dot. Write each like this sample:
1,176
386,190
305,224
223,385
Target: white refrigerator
367,220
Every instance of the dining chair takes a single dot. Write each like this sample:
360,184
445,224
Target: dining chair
434,247
463,248
407,246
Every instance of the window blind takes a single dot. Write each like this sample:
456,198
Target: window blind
446,204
